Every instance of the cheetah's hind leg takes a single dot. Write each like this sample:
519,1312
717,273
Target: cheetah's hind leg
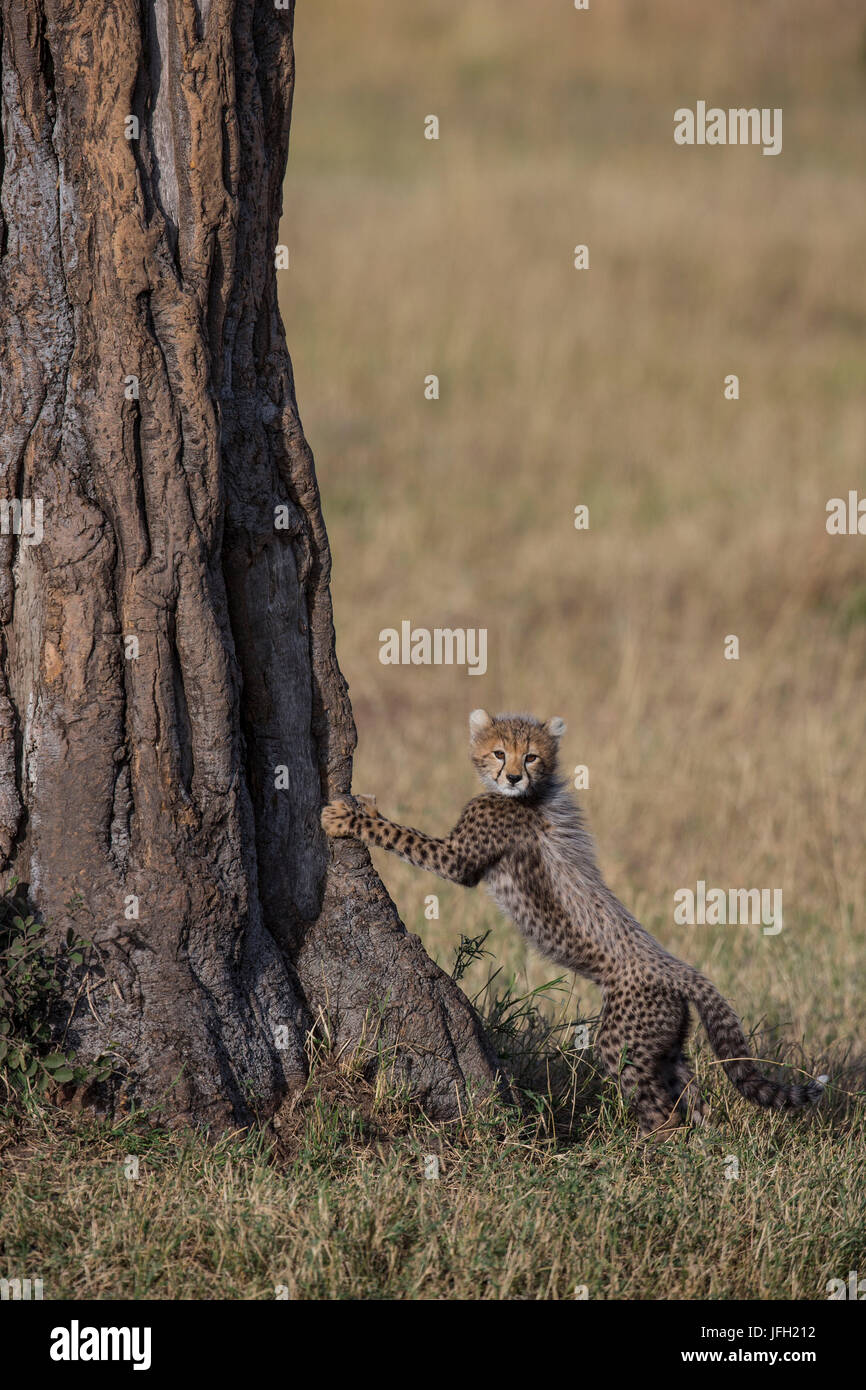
653,1105
683,1089
646,1095
639,1038
676,1071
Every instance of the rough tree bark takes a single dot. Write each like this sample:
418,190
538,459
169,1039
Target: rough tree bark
166,648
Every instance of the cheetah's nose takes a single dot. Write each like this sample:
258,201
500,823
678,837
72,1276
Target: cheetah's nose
513,777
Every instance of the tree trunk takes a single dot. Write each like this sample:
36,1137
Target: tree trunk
171,709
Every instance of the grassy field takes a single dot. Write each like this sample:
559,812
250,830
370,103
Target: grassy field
707,518
361,1197
602,387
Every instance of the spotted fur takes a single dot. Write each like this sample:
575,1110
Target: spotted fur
525,839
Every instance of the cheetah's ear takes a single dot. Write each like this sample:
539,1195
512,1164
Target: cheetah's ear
556,727
479,722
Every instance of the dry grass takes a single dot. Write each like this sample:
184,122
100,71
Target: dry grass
564,1203
707,518
603,387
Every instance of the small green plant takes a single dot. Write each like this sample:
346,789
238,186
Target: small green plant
471,948
31,974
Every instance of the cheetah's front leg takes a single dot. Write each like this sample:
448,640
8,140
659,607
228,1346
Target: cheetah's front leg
350,816
346,818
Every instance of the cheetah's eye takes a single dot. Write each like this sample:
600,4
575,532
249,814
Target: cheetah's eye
531,758
498,753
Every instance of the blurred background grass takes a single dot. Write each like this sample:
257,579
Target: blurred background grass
603,387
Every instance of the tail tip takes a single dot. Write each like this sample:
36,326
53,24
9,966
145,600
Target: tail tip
813,1091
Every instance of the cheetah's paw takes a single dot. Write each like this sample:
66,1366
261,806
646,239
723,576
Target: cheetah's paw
336,819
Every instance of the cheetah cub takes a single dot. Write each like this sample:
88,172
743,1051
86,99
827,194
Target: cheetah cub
524,837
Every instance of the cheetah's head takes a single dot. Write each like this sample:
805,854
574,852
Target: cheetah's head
514,754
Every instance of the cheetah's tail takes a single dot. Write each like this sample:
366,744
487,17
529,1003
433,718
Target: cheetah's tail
729,1044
